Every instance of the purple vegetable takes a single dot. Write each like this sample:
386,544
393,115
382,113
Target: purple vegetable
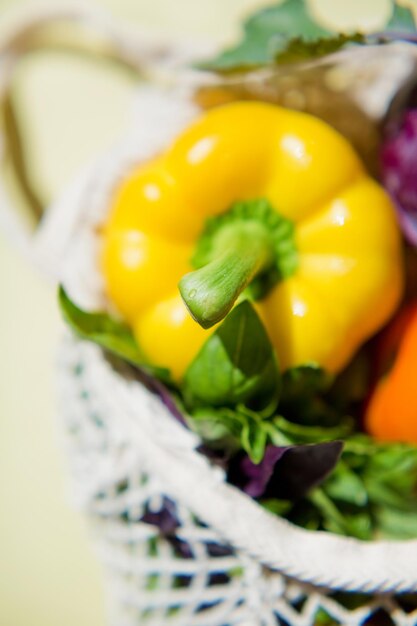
259,475
287,472
399,172
157,387
165,518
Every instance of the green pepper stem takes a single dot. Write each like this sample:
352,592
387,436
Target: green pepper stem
241,251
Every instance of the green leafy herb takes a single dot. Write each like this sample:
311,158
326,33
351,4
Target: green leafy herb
237,364
107,332
299,433
267,33
390,477
333,519
288,32
346,486
374,489
303,381
278,507
395,523
402,20
298,49
232,429
253,438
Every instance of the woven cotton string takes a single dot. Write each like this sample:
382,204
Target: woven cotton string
223,560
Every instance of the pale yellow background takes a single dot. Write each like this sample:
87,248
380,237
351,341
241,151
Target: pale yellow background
48,575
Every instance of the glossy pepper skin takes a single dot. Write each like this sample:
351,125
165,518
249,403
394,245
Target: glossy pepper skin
349,275
391,414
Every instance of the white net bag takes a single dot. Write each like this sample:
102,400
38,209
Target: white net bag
180,545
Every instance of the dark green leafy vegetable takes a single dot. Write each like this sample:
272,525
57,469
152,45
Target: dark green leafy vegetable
370,492
302,397
374,489
395,523
232,429
346,486
301,382
236,365
299,433
109,333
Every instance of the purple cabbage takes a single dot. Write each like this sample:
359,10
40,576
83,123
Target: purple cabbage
399,172
288,472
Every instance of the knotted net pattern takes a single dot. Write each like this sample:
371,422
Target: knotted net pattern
164,565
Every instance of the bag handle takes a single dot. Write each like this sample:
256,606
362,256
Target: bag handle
80,30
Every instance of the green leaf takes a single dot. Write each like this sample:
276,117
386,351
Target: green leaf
402,20
253,439
267,33
107,332
344,485
288,32
333,518
311,434
301,382
219,427
322,618
304,397
390,476
278,507
395,524
232,429
357,524
298,49
237,364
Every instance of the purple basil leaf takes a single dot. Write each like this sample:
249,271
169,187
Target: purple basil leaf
399,172
165,518
157,387
217,550
182,548
260,475
287,472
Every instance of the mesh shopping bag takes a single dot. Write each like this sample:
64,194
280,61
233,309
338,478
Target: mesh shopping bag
179,545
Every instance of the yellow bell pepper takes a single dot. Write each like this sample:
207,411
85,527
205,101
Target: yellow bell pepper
323,240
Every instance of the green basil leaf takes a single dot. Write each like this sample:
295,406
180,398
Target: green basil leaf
402,20
301,382
288,32
254,439
217,425
333,519
232,429
311,434
390,476
346,486
107,332
384,495
359,524
237,364
396,524
266,34
278,507
298,49
304,398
